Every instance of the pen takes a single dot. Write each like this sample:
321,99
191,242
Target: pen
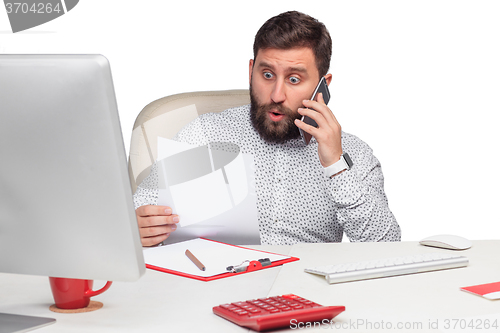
195,260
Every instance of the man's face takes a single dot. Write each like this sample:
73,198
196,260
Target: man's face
279,81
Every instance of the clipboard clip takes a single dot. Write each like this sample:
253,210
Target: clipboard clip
249,265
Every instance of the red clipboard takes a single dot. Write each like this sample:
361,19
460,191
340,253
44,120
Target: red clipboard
253,266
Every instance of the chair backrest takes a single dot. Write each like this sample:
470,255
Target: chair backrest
167,116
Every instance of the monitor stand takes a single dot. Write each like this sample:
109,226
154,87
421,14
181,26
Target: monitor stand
11,323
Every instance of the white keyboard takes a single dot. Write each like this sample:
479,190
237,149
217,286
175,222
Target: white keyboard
379,268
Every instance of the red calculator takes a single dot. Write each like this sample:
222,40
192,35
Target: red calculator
276,312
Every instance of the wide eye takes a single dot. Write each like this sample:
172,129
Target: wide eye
268,75
294,79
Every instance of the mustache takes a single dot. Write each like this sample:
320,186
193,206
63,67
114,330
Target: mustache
279,107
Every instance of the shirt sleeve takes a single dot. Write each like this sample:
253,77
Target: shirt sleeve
147,191
358,193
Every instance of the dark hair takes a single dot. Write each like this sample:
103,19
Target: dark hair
295,29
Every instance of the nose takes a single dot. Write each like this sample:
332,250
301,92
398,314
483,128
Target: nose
278,95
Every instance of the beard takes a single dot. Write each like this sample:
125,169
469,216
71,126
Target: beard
273,131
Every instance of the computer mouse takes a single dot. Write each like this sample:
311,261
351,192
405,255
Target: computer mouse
451,242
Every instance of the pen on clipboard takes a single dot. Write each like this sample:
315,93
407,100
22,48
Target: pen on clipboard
195,260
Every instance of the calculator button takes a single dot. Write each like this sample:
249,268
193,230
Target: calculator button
239,303
241,312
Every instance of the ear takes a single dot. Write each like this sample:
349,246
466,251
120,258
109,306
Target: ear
250,68
328,78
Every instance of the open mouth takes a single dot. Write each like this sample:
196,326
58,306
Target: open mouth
275,116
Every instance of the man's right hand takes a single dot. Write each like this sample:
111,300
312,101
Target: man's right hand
155,223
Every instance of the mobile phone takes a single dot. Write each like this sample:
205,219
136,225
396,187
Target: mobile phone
322,87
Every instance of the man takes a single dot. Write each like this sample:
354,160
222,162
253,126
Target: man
305,192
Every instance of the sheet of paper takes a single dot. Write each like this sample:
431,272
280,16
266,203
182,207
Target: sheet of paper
215,256
197,204
212,190
167,148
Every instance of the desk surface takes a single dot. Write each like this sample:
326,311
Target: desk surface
416,301
161,302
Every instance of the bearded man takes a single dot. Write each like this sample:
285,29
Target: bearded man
312,192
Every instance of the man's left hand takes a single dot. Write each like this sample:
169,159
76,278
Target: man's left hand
328,133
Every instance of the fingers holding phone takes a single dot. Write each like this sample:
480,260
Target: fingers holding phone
321,89
319,121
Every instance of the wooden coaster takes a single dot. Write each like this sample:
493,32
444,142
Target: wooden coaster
93,305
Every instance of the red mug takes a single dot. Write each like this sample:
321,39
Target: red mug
74,293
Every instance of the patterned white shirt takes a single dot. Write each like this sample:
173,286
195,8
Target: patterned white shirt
296,202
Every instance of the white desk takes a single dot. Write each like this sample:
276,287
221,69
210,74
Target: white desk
161,302
157,302
415,301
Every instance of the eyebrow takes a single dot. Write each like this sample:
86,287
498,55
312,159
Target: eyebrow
296,69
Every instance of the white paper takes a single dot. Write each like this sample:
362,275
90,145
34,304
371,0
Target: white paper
238,184
201,198
212,191
167,148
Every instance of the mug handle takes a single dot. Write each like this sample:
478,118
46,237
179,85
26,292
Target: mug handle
92,293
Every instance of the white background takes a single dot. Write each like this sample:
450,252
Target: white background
417,80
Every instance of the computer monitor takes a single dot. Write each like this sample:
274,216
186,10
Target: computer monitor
66,207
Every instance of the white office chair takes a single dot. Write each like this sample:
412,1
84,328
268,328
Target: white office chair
165,117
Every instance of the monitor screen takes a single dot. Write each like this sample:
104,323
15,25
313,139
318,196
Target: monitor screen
66,207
